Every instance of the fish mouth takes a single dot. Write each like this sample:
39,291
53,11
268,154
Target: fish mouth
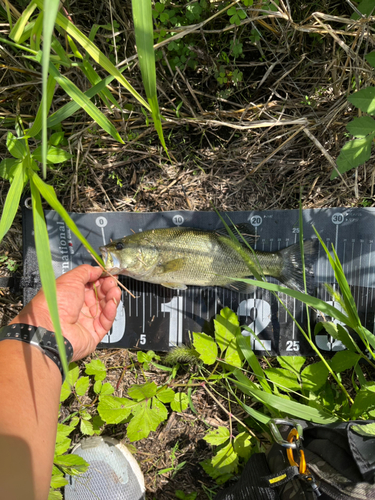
110,260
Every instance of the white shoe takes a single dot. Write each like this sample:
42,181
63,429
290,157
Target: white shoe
114,474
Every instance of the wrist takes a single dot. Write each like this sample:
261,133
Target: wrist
39,337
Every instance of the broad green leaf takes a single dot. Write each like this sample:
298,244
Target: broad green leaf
364,99
226,327
218,436
364,402
87,427
54,495
242,445
73,374
47,275
97,368
143,422
225,460
206,347
233,355
62,445
166,395
107,388
283,378
54,154
94,52
49,195
84,102
362,126
344,360
366,7
8,167
159,409
16,147
63,431
314,376
142,391
82,385
180,402
71,464
114,410
98,387
58,482
294,363
353,153
364,430
144,36
56,138
12,200
370,58
97,423
214,472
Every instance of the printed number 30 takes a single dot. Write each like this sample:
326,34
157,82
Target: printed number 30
292,345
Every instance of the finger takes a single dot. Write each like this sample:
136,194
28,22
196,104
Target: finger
105,285
84,274
108,312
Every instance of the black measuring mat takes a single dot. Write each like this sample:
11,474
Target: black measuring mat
159,318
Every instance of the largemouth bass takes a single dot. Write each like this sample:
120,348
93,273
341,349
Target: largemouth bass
180,256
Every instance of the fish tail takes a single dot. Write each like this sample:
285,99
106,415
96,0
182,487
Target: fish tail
292,272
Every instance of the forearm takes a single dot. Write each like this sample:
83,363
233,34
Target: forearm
30,386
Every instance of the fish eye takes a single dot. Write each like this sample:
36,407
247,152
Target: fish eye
119,246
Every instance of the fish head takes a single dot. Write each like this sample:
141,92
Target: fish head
132,255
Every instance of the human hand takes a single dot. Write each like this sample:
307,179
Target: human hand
87,307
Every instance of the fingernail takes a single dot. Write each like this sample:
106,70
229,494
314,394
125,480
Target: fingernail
115,301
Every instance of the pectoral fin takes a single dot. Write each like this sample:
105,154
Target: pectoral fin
171,266
175,286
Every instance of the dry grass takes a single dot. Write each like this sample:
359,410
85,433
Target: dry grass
241,147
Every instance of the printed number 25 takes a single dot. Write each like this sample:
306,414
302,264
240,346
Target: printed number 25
292,345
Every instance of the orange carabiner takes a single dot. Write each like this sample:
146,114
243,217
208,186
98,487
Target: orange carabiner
294,436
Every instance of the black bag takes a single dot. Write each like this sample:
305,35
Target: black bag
340,466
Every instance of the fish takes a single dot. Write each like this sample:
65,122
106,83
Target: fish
180,256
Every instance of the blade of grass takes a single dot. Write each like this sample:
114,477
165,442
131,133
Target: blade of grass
95,53
49,16
71,107
253,361
37,125
286,406
19,28
85,103
47,276
12,200
49,195
144,37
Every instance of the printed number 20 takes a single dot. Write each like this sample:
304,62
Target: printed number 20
292,345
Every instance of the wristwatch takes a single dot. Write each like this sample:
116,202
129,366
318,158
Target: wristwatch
39,337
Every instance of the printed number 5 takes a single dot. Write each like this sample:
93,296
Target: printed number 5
292,345
142,339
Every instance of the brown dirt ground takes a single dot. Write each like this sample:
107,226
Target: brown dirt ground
244,147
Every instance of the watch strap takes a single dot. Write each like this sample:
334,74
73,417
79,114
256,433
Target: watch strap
39,337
